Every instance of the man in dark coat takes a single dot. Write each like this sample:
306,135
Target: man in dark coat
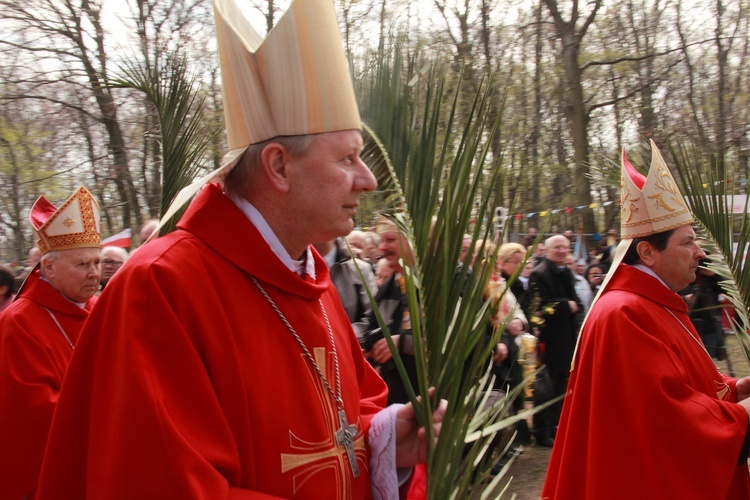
556,306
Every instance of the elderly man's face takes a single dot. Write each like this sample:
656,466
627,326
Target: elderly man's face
327,182
357,244
74,273
112,260
557,249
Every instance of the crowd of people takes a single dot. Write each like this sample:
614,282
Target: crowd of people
239,355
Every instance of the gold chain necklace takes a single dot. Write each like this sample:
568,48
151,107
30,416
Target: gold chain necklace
70,342
346,433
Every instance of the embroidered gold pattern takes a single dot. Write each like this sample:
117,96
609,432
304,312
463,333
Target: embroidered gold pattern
723,392
668,192
89,236
629,203
327,454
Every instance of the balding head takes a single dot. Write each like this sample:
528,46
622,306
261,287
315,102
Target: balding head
148,227
557,248
112,260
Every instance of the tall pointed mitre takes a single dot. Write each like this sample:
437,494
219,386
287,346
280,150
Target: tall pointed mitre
295,82
75,224
651,204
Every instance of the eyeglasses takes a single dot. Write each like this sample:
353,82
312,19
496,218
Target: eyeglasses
107,262
597,275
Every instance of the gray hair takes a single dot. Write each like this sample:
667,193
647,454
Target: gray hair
373,238
241,175
49,256
548,241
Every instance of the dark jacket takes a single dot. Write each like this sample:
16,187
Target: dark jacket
392,304
551,288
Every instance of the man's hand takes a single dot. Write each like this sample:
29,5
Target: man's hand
380,352
501,353
573,306
411,441
743,389
515,327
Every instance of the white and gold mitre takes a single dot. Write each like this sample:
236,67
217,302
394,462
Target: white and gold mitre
295,82
651,204
74,225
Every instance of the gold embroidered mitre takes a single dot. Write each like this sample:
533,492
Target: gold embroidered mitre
74,225
651,204
295,82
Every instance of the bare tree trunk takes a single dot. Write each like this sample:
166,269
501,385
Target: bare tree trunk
720,125
98,80
571,36
12,188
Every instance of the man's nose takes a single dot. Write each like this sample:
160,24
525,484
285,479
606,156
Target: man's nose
365,179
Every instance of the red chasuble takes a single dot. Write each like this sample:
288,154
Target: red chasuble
34,355
186,383
647,414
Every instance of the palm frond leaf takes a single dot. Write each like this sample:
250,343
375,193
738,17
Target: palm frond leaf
432,149
728,232
184,135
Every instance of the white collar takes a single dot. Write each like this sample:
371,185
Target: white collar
306,266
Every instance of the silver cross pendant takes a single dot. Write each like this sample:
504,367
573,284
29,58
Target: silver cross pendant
345,436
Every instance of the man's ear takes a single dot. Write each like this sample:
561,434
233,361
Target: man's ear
646,252
46,268
275,159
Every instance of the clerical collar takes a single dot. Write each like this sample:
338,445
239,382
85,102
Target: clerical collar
650,271
301,267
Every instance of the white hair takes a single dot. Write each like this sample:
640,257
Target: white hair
49,256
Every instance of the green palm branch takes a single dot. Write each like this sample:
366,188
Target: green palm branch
431,150
184,134
728,233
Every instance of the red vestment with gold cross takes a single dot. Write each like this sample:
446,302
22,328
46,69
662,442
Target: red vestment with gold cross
186,383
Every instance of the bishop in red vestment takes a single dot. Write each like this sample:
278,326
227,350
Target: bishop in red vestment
647,414
220,362
38,332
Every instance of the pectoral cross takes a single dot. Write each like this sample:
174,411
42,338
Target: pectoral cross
345,436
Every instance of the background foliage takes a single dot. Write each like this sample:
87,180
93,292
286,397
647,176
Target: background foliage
578,80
